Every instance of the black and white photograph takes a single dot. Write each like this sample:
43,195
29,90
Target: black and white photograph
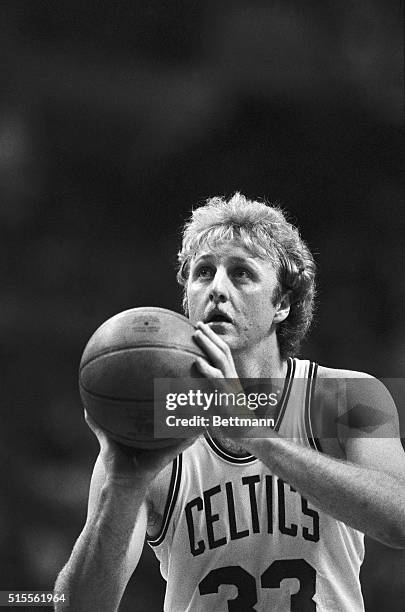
202,306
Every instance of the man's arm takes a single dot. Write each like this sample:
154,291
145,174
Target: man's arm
366,498
366,487
108,549
110,545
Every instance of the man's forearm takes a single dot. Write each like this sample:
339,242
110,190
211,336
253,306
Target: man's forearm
368,500
98,570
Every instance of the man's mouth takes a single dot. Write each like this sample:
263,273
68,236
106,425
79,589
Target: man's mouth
218,317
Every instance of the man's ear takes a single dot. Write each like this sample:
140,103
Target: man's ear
185,303
283,308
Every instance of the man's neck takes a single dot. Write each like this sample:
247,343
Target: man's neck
260,362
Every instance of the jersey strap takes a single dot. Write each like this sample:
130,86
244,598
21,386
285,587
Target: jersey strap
313,440
291,367
236,458
172,495
225,453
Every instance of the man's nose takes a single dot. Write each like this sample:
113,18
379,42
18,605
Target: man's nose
219,290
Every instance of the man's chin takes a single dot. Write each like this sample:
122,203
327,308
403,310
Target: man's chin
221,327
229,336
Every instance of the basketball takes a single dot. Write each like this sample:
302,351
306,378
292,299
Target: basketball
119,365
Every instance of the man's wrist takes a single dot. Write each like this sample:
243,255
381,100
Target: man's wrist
124,485
257,444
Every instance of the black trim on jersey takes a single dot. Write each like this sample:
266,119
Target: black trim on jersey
313,441
225,453
172,494
233,457
291,367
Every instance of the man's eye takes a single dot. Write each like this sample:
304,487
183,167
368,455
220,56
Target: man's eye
204,272
242,273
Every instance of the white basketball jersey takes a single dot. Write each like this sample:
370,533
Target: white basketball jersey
236,537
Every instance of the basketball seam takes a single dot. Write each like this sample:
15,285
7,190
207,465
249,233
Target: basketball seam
140,346
122,436
112,398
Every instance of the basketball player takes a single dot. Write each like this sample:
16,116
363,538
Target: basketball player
272,522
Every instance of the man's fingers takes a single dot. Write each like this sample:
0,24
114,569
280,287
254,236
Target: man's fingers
91,423
213,351
217,340
97,431
207,370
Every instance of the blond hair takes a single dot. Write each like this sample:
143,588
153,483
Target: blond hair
265,232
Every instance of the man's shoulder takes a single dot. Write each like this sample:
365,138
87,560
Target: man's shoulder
340,373
350,401
357,385
159,488
156,499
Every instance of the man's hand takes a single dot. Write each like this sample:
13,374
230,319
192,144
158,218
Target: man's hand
222,374
218,353
127,465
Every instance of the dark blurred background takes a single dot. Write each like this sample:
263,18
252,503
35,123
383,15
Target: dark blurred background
115,119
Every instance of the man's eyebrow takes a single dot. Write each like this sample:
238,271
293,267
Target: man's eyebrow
238,259
232,258
202,257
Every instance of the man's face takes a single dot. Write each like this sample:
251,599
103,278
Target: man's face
233,291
